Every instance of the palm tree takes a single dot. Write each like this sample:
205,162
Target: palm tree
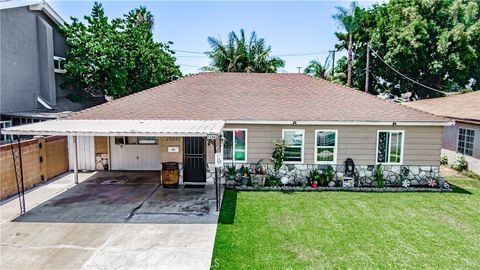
348,21
241,55
315,68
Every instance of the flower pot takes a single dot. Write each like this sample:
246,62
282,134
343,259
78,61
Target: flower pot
231,176
245,180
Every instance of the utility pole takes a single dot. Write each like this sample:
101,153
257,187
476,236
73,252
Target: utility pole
299,68
333,63
367,69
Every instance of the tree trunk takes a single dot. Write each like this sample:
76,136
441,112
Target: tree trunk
350,49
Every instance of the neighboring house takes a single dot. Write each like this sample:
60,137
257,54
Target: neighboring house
464,137
322,122
32,52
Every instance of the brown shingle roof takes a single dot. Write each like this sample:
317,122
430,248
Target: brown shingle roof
253,96
461,106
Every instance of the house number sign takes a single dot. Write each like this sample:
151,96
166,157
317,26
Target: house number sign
173,149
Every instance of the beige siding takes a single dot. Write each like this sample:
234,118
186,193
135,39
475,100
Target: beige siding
422,144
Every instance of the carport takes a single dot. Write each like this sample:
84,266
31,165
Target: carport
206,129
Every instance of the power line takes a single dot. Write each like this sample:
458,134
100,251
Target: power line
204,54
194,52
401,74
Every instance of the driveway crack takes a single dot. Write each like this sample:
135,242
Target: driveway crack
132,212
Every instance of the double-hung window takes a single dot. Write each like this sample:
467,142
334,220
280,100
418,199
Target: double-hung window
325,146
235,145
294,139
465,141
390,146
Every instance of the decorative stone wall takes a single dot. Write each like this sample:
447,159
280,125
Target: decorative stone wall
364,176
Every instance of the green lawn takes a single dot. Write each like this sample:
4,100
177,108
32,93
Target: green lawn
348,230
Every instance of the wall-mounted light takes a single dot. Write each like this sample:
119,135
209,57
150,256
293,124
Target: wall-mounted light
394,124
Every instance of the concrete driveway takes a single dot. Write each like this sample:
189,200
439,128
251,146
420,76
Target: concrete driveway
110,220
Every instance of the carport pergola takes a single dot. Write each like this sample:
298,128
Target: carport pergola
209,129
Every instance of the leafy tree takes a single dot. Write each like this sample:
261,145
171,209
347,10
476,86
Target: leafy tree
117,57
349,20
315,68
241,55
436,43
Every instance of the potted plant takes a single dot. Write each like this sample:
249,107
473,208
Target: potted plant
245,172
231,171
329,173
314,177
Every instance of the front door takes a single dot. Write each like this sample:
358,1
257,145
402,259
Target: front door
194,165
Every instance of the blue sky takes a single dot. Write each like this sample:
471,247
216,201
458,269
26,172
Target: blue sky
289,27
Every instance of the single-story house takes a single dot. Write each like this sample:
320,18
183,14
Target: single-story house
463,137
323,123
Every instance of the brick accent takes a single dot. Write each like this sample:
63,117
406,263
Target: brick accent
53,153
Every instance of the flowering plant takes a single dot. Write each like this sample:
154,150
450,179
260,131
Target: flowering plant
406,183
432,182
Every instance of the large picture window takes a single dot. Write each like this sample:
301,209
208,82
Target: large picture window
390,146
465,141
294,138
325,146
235,145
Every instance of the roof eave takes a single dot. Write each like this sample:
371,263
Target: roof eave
344,123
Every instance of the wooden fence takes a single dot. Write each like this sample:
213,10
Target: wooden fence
43,158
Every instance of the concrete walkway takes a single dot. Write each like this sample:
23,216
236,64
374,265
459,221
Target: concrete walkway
125,225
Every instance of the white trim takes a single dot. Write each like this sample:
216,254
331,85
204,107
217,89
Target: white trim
342,123
47,9
44,103
302,147
474,135
335,149
159,128
389,144
233,153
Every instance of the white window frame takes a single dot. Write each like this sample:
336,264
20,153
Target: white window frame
233,145
390,143
302,147
2,125
315,146
473,144
58,69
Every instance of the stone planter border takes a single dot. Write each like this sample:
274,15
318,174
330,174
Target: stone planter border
350,189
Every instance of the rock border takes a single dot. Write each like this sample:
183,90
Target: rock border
354,189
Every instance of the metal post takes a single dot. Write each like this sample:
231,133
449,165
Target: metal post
75,160
109,155
217,192
367,69
18,167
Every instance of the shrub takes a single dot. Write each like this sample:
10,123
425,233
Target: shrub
460,164
278,155
272,181
379,176
443,160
